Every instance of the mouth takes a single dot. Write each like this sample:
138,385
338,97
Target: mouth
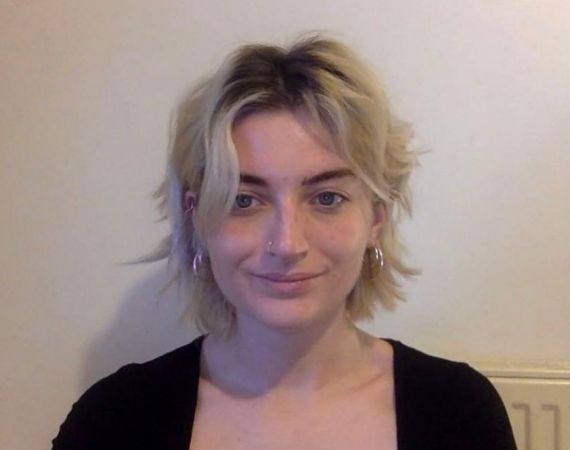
286,278
285,285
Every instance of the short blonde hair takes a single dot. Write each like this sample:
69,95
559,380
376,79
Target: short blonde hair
326,79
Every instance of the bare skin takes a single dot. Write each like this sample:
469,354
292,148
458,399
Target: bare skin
355,411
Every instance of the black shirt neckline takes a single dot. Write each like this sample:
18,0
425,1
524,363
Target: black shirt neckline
195,377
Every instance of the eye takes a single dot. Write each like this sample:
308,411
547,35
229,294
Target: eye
244,201
329,199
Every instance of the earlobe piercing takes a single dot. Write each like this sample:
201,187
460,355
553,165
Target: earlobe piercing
197,261
379,256
373,261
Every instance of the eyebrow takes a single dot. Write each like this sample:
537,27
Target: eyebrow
307,181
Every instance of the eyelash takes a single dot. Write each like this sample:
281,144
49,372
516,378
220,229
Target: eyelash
243,196
338,201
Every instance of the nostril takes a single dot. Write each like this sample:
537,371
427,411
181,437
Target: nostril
286,233
286,248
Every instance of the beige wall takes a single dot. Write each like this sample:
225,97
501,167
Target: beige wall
86,89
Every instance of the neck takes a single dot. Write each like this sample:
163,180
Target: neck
258,361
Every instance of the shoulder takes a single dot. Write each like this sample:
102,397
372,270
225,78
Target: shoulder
169,370
158,393
448,402
421,372
163,374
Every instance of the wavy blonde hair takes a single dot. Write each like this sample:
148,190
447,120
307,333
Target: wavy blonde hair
324,78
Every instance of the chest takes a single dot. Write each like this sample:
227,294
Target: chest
366,421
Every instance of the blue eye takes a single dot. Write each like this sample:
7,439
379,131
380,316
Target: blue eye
243,201
329,199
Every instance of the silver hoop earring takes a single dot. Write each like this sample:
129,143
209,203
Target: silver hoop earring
374,261
379,256
197,261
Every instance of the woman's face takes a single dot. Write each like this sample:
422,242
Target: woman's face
291,250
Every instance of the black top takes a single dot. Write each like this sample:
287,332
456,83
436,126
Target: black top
440,405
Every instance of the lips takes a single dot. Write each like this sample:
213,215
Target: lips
281,285
286,278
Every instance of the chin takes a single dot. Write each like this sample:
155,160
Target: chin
288,315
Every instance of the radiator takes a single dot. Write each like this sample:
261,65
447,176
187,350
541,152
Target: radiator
537,399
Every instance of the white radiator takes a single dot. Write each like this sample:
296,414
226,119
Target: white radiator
537,401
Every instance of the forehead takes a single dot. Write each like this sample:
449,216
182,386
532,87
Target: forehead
284,144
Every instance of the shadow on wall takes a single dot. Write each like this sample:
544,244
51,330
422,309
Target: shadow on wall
145,326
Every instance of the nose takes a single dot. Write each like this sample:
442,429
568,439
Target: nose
287,233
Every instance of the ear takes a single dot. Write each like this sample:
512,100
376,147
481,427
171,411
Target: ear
189,202
378,220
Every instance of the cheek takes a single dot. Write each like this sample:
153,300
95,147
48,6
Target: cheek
342,248
345,241
230,246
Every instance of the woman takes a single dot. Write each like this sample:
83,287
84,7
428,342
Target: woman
284,178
